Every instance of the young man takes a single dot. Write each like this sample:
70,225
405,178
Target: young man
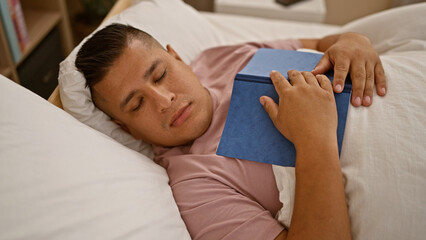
152,94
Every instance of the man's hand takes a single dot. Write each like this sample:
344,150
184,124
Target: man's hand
307,116
351,53
306,110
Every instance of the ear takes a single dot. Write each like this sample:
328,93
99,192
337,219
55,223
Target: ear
172,52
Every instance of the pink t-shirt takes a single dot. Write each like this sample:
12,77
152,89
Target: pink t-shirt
220,197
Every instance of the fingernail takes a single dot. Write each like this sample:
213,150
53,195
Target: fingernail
383,91
367,100
262,101
338,87
357,101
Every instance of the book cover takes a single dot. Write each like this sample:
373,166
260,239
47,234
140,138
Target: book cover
10,31
18,20
249,132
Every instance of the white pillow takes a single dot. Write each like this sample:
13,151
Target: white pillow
60,179
397,29
170,22
383,152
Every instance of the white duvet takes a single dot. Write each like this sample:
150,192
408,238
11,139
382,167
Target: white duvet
383,155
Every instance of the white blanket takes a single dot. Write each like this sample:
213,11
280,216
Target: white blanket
383,155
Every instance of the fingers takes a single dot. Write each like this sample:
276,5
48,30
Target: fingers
341,70
310,78
374,74
358,76
323,65
270,107
380,78
324,82
296,77
369,85
279,81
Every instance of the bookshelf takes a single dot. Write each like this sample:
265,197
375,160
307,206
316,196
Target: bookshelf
6,62
41,18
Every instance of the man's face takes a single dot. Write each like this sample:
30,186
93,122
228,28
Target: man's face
155,96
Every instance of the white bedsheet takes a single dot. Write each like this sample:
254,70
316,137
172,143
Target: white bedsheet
236,29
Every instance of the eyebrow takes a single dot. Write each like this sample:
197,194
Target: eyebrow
127,99
145,76
151,69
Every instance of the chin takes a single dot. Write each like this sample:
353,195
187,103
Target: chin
193,131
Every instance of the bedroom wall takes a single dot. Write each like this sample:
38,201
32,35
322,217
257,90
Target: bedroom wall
338,11
202,5
342,11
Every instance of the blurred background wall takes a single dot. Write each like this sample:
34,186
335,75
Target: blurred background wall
342,11
338,11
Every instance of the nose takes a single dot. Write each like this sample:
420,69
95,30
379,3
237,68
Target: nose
163,98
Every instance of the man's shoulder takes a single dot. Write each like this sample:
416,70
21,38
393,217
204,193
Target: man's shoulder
224,51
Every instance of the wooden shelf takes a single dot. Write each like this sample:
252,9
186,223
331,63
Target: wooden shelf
49,41
7,67
5,71
39,24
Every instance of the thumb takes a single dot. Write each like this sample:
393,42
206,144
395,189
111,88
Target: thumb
270,107
323,65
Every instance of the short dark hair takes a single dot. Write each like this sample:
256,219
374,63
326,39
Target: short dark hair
100,51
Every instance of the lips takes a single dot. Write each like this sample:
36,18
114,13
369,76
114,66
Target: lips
181,115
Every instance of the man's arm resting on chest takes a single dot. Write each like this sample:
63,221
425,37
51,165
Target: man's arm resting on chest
306,115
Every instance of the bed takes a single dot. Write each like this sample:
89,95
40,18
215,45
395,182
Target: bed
74,174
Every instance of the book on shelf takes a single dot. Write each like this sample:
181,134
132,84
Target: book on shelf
249,132
10,32
18,20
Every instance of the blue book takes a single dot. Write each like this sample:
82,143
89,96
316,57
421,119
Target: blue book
10,31
249,132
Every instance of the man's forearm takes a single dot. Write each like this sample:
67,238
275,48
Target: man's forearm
320,44
326,42
307,116
320,210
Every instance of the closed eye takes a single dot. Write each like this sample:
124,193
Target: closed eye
139,105
161,77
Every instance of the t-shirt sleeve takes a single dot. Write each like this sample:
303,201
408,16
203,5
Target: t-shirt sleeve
212,210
